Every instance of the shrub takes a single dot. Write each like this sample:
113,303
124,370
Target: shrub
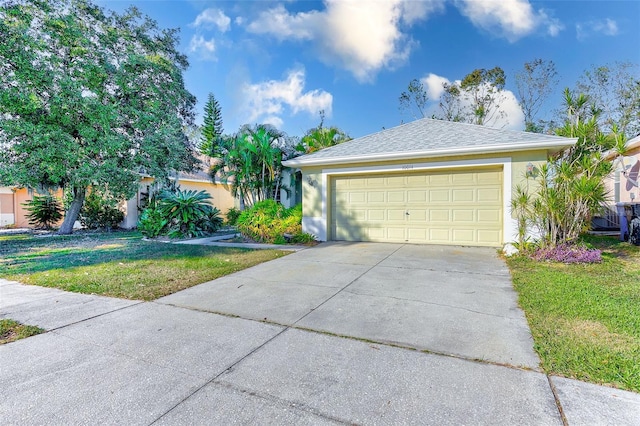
267,222
100,211
190,214
232,216
152,223
44,211
567,253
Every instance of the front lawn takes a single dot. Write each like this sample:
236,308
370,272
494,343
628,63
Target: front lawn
585,319
119,264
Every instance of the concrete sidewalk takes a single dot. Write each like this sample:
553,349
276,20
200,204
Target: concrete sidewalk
434,337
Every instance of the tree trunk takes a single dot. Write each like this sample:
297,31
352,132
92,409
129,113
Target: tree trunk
74,210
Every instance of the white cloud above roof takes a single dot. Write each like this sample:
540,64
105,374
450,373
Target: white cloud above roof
204,49
266,102
362,40
513,118
512,19
212,18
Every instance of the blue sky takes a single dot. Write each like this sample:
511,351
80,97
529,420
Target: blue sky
282,62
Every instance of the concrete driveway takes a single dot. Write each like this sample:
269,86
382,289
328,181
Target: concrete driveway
353,333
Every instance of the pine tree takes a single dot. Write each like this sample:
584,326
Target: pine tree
212,126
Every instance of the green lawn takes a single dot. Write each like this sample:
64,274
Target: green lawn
585,319
119,264
10,331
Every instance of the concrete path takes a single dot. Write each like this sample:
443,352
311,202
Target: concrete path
343,333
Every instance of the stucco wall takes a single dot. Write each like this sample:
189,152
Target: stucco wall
625,188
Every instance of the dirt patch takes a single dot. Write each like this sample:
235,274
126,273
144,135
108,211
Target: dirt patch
597,334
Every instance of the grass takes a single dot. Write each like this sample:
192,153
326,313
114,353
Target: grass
585,319
11,330
119,264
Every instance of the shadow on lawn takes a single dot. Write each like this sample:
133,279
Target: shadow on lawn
39,254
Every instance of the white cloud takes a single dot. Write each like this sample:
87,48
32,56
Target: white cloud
606,26
434,85
266,102
213,18
360,39
513,117
205,48
513,19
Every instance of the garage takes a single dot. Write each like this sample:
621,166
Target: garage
425,182
460,207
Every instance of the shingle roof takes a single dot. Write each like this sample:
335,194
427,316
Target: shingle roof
428,137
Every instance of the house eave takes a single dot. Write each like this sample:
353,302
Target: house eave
553,146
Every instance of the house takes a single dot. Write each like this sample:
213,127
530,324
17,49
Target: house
622,185
13,213
424,182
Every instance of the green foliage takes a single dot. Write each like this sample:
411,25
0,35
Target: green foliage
44,210
585,319
251,162
322,137
570,187
152,223
232,215
211,127
414,99
108,101
100,211
267,222
190,213
535,83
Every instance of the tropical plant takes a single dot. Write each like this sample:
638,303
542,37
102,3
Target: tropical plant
89,98
44,210
100,211
152,223
268,221
189,213
250,162
321,137
570,186
232,215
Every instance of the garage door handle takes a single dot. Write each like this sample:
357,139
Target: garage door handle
407,213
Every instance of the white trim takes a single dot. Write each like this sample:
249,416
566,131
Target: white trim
412,155
508,224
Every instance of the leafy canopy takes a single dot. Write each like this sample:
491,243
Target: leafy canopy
89,98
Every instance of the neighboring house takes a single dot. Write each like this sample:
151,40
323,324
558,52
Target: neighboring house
622,184
428,181
12,211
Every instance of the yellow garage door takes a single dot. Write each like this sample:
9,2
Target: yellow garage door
449,207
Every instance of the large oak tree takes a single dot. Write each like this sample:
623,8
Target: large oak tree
89,98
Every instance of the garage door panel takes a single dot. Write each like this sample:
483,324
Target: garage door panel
396,196
463,195
447,207
464,215
417,234
463,236
416,196
489,194
491,216
488,236
439,215
439,196
439,179
397,215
